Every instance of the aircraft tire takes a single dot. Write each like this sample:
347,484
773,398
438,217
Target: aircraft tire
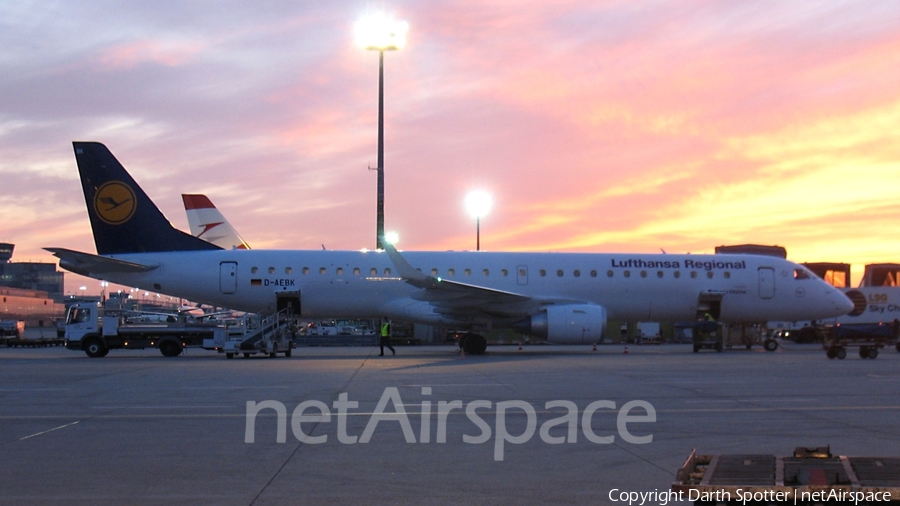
873,353
95,348
841,353
831,353
863,352
770,345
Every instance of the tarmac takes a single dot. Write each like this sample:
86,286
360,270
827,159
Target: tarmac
138,428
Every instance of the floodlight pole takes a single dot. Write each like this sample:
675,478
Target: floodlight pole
478,233
379,226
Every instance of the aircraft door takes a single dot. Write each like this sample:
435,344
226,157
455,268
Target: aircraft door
228,277
766,282
288,300
522,274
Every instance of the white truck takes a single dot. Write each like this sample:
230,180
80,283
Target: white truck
95,330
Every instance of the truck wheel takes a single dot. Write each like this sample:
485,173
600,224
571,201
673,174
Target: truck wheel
287,352
770,345
841,354
274,351
873,353
95,348
831,353
170,348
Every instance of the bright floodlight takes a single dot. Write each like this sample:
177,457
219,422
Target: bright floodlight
478,203
381,33
392,237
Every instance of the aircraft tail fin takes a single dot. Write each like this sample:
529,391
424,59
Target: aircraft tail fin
209,224
123,217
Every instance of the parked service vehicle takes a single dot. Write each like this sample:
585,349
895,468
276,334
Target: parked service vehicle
11,330
253,333
95,330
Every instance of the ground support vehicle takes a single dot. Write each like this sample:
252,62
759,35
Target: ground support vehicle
748,335
11,330
95,330
809,476
707,335
868,338
254,334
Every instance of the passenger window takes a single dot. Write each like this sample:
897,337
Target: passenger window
434,272
486,272
468,272
451,272
559,273
288,270
543,273
387,271
643,274
254,270
677,274
373,271
709,274
727,275
340,270
593,274
610,273
322,270
693,274
271,270
306,270
576,273
356,271
627,274
504,272
659,274
522,272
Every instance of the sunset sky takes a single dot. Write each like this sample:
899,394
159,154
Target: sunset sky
598,126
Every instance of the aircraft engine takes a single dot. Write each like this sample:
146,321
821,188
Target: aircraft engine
567,324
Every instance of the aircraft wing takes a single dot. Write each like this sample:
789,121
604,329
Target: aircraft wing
461,300
87,264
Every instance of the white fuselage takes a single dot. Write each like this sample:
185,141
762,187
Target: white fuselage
366,284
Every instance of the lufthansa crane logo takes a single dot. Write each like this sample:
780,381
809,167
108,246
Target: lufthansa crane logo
114,202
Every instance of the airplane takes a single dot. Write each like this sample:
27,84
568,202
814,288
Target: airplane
563,297
208,223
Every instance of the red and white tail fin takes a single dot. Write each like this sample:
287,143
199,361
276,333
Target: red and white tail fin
208,223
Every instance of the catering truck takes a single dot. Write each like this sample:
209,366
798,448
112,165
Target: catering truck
95,330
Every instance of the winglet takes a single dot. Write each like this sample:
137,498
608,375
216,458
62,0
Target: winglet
409,273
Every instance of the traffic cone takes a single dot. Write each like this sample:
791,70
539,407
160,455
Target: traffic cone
520,346
626,351
595,347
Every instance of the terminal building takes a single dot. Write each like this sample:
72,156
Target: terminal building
30,291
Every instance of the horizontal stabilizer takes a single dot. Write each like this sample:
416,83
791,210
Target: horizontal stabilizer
87,264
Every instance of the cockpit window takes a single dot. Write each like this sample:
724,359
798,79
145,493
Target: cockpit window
801,274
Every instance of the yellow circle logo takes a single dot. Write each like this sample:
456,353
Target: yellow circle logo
114,203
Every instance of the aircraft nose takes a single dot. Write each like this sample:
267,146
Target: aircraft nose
842,302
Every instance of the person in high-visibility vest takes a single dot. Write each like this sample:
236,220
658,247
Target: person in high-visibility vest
386,337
